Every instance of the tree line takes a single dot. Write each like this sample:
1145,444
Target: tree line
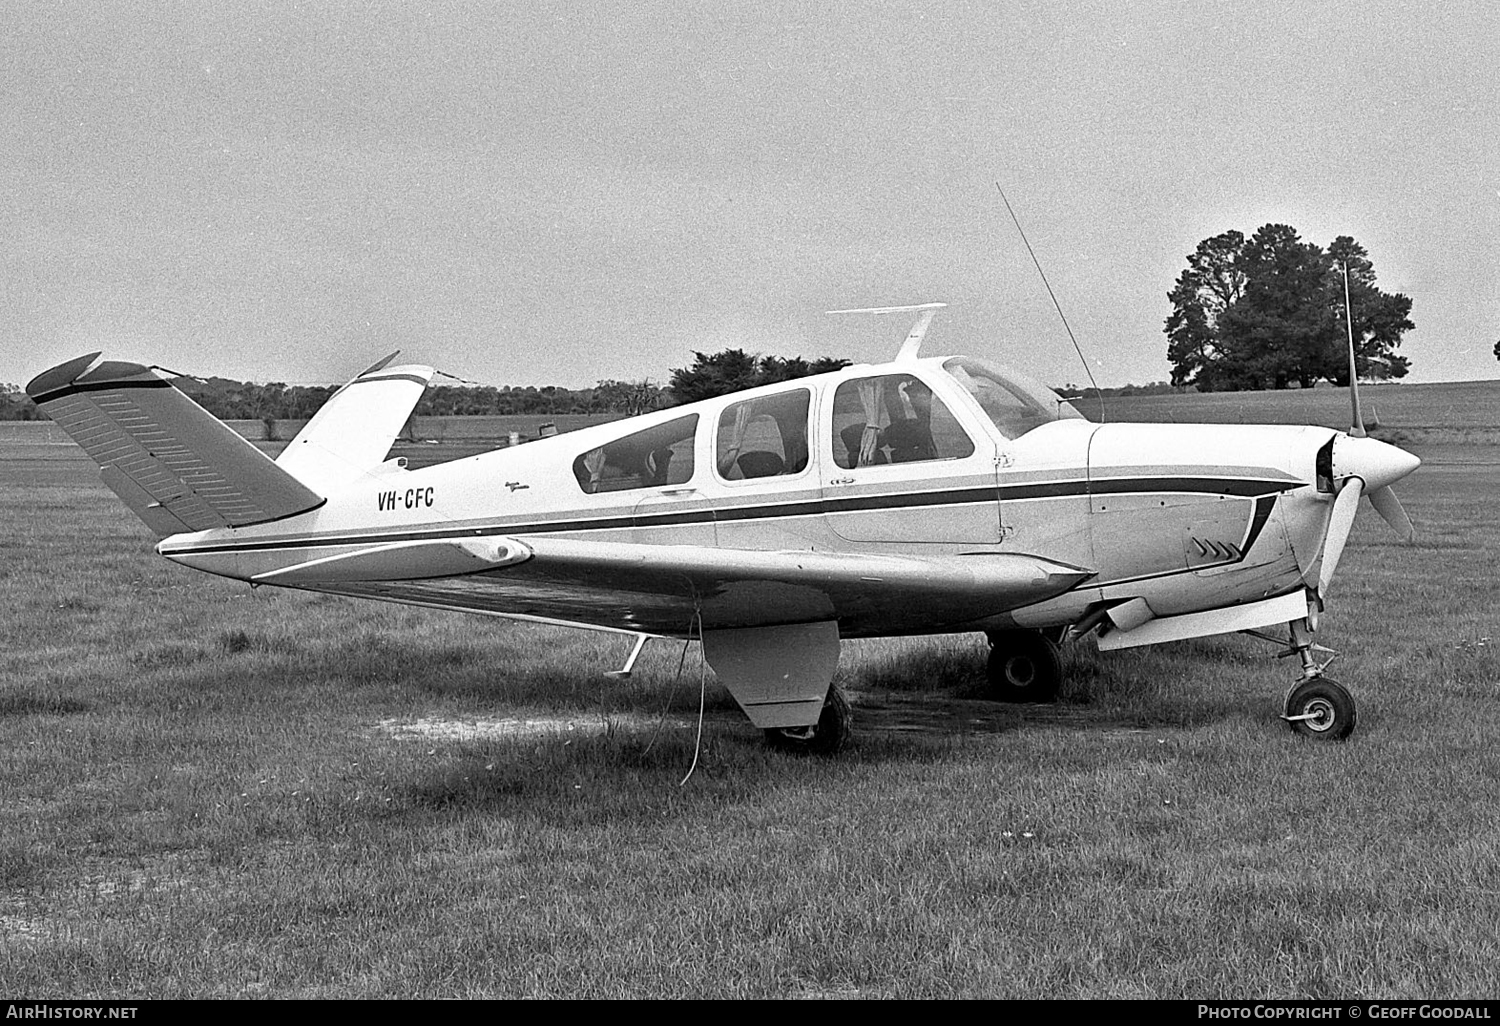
710,374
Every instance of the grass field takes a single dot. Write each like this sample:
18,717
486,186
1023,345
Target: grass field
212,792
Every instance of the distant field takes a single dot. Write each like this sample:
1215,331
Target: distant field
208,791
1462,404
1451,422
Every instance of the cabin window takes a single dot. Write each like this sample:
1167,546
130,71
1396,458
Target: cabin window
764,437
893,418
655,456
1015,404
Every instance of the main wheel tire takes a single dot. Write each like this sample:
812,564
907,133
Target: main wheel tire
1024,666
826,737
1321,708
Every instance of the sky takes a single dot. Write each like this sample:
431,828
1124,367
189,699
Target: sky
562,193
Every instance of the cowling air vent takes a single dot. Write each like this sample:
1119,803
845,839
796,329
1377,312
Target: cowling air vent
1206,552
1324,467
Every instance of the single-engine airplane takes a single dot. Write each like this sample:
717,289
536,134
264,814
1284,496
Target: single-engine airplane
928,495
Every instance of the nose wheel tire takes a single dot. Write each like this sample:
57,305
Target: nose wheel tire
1320,708
826,737
1024,666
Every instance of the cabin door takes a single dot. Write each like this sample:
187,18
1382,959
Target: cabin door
898,467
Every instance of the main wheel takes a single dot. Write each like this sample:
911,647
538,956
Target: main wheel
825,737
1320,708
1024,666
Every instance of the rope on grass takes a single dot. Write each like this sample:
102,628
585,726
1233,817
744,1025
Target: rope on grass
702,692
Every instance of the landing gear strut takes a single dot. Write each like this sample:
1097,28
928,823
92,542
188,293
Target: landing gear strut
1024,666
1316,706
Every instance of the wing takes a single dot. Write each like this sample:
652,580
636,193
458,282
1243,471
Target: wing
659,589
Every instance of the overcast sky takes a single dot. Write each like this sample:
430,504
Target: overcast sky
533,193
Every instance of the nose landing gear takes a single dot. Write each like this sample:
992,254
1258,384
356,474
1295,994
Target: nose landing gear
1316,706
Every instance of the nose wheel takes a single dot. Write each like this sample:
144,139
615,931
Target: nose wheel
1320,708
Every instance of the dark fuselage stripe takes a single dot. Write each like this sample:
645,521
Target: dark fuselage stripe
812,507
1263,507
387,377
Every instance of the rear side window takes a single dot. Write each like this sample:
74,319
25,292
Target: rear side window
764,437
893,418
656,456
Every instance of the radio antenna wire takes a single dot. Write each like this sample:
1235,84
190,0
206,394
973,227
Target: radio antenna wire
1073,338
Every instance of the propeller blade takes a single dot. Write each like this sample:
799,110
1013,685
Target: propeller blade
1389,507
1340,521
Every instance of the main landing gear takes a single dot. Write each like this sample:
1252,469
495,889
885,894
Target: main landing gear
1024,666
825,737
1316,706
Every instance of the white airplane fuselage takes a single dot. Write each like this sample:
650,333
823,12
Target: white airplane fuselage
1183,517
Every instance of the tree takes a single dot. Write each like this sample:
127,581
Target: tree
732,370
729,370
1269,310
1212,283
631,398
15,404
1276,331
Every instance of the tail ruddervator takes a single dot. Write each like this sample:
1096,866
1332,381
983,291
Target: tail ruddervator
173,463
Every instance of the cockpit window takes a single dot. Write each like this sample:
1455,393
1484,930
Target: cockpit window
764,437
1013,402
660,455
893,418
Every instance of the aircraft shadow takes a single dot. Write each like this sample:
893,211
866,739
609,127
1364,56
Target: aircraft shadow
938,715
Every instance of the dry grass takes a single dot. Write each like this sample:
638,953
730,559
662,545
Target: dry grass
209,792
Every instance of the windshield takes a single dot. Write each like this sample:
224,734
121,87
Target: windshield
1013,402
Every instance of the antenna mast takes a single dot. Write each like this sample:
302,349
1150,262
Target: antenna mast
1076,347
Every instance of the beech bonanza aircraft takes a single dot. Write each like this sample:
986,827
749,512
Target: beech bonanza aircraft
922,496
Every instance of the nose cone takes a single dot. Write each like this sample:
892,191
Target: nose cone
1377,463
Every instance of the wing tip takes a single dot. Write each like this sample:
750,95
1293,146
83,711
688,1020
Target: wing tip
57,378
90,372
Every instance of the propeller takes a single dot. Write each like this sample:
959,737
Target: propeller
1340,521
1362,466
1389,507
